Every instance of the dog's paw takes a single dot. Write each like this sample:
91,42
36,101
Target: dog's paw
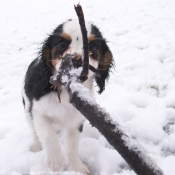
35,146
79,166
54,161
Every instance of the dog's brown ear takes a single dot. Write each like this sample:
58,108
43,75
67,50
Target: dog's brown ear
106,62
46,48
46,53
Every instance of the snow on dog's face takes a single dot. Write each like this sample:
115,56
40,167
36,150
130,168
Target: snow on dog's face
67,38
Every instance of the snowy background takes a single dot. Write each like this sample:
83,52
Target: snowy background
140,94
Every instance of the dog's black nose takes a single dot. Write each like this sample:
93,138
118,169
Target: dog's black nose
77,62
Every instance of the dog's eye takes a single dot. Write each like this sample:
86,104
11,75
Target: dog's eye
62,44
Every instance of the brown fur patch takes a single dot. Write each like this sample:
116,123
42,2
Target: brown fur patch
105,62
91,38
52,52
46,54
108,57
66,36
54,62
77,56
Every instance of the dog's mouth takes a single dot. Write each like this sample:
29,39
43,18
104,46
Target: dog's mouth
79,63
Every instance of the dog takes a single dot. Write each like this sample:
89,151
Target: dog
43,110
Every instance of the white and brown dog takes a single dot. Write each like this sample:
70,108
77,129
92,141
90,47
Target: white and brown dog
41,103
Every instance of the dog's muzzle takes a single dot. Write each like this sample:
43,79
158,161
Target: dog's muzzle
79,63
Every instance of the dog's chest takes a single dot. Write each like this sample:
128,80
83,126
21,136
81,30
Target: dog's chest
63,112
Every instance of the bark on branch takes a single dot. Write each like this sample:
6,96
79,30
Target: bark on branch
84,74
128,147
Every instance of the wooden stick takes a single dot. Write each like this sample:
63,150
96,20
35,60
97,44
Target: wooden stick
128,147
85,54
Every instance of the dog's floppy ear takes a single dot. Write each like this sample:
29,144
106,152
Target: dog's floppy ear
49,43
106,62
46,48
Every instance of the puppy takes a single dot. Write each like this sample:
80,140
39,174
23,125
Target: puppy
43,110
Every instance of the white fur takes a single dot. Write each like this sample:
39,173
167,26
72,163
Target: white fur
73,29
48,112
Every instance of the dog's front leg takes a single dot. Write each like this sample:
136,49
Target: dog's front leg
48,138
72,137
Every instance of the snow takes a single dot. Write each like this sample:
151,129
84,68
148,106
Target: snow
140,95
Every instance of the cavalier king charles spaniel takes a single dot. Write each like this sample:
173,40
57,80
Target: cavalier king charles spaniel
43,109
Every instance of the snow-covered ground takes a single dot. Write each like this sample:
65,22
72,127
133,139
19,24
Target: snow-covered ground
140,94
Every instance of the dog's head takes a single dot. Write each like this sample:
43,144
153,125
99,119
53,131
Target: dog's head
67,38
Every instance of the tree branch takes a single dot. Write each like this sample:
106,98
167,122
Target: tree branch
128,147
85,55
